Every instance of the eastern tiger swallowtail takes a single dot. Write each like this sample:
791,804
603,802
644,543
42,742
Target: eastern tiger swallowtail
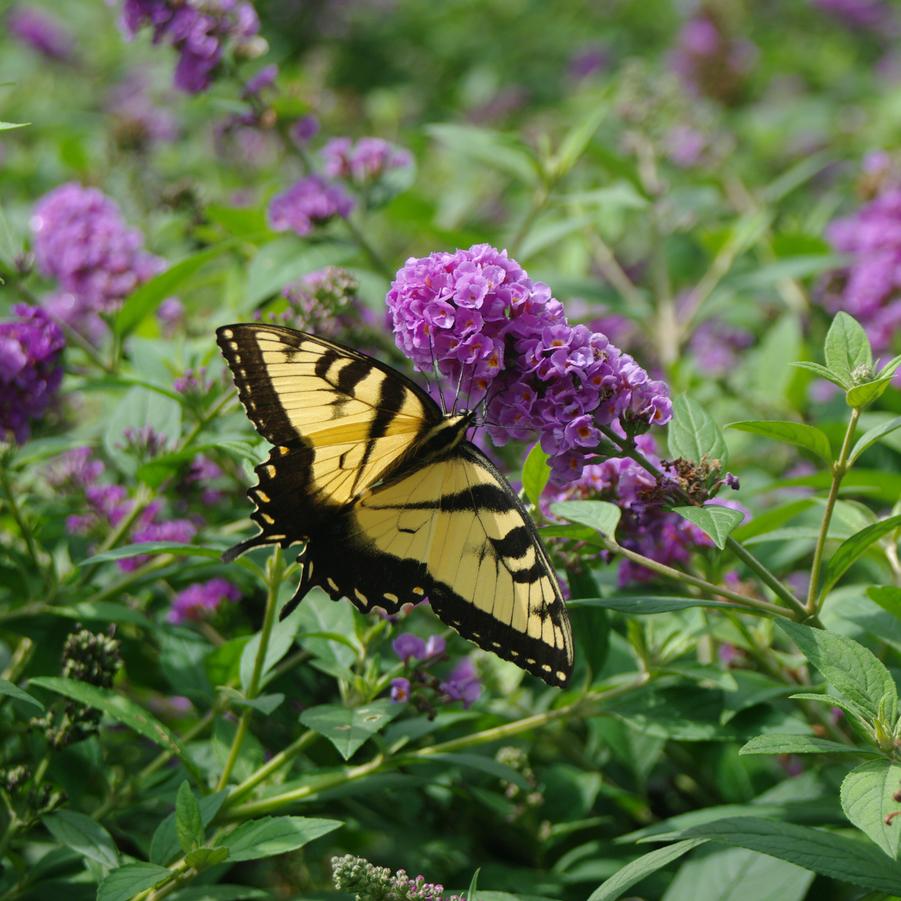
391,502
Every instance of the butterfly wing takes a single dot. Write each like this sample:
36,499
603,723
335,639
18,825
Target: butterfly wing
339,421
452,530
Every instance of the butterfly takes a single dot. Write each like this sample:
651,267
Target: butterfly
391,502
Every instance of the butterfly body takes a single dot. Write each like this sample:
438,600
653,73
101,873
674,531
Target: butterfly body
391,502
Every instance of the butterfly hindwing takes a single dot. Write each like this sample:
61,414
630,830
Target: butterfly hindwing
452,530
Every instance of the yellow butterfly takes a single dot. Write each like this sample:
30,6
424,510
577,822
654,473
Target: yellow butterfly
390,500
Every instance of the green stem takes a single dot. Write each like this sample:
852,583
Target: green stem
374,256
275,569
380,762
606,261
30,545
739,550
839,468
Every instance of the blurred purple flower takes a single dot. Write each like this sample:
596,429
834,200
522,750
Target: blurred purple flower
171,315
875,16
685,146
869,288
717,346
198,32
327,302
710,62
311,201
181,531
74,470
107,506
304,130
81,240
194,381
201,599
364,162
138,121
408,646
39,31
478,317
400,690
463,683
31,370
587,61
202,472
264,79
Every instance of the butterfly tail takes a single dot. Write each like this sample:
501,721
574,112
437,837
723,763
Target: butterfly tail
306,583
234,552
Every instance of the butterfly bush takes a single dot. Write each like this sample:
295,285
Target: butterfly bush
199,30
82,241
869,288
310,202
201,600
31,371
43,34
362,162
487,327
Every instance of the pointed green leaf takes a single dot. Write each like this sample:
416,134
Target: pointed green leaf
715,521
281,639
821,371
847,349
348,728
868,798
473,886
852,549
83,835
871,436
535,474
861,396
601,516
577,139
846,665
798,433
125,882
693,433
493,149
201,858
774,743
633,872
888,597
826,853
188,823
853,710
152,548
274,835
890,367
264,704
6,126
164,845
13,691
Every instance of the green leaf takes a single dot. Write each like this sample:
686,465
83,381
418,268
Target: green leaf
285,260
13,691
771,519
102,611
281,640
151,548
577,139
773,743
847,349
715,521
201,858
871,436
484,764
264,704
823,852
852,549
846,665
164,846
642,867
83,835
863,395
798,433
473,886
219,892
143,301
535,474
888,597
868,798
125,882
821,371
489,148
601,516
348,728
693,434
274,835
6,126
121,709
188,824
853,710
643,606
571,531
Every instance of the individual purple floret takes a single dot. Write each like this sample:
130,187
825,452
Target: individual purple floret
400,690
311,201
198,31
363,162
408,647
869,288
477,317
81,240
709,61
31,370
200,600
463,683
39,31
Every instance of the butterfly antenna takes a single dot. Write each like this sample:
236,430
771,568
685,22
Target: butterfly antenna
457,392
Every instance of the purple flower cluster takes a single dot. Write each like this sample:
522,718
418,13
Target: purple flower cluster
487,327
40,32
461,685
31,348
362,162
326,302
875,16
181,531
198,31
409,647
203,472
81,240
200,600
716,346
709,62
870,287
645,526
311,201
